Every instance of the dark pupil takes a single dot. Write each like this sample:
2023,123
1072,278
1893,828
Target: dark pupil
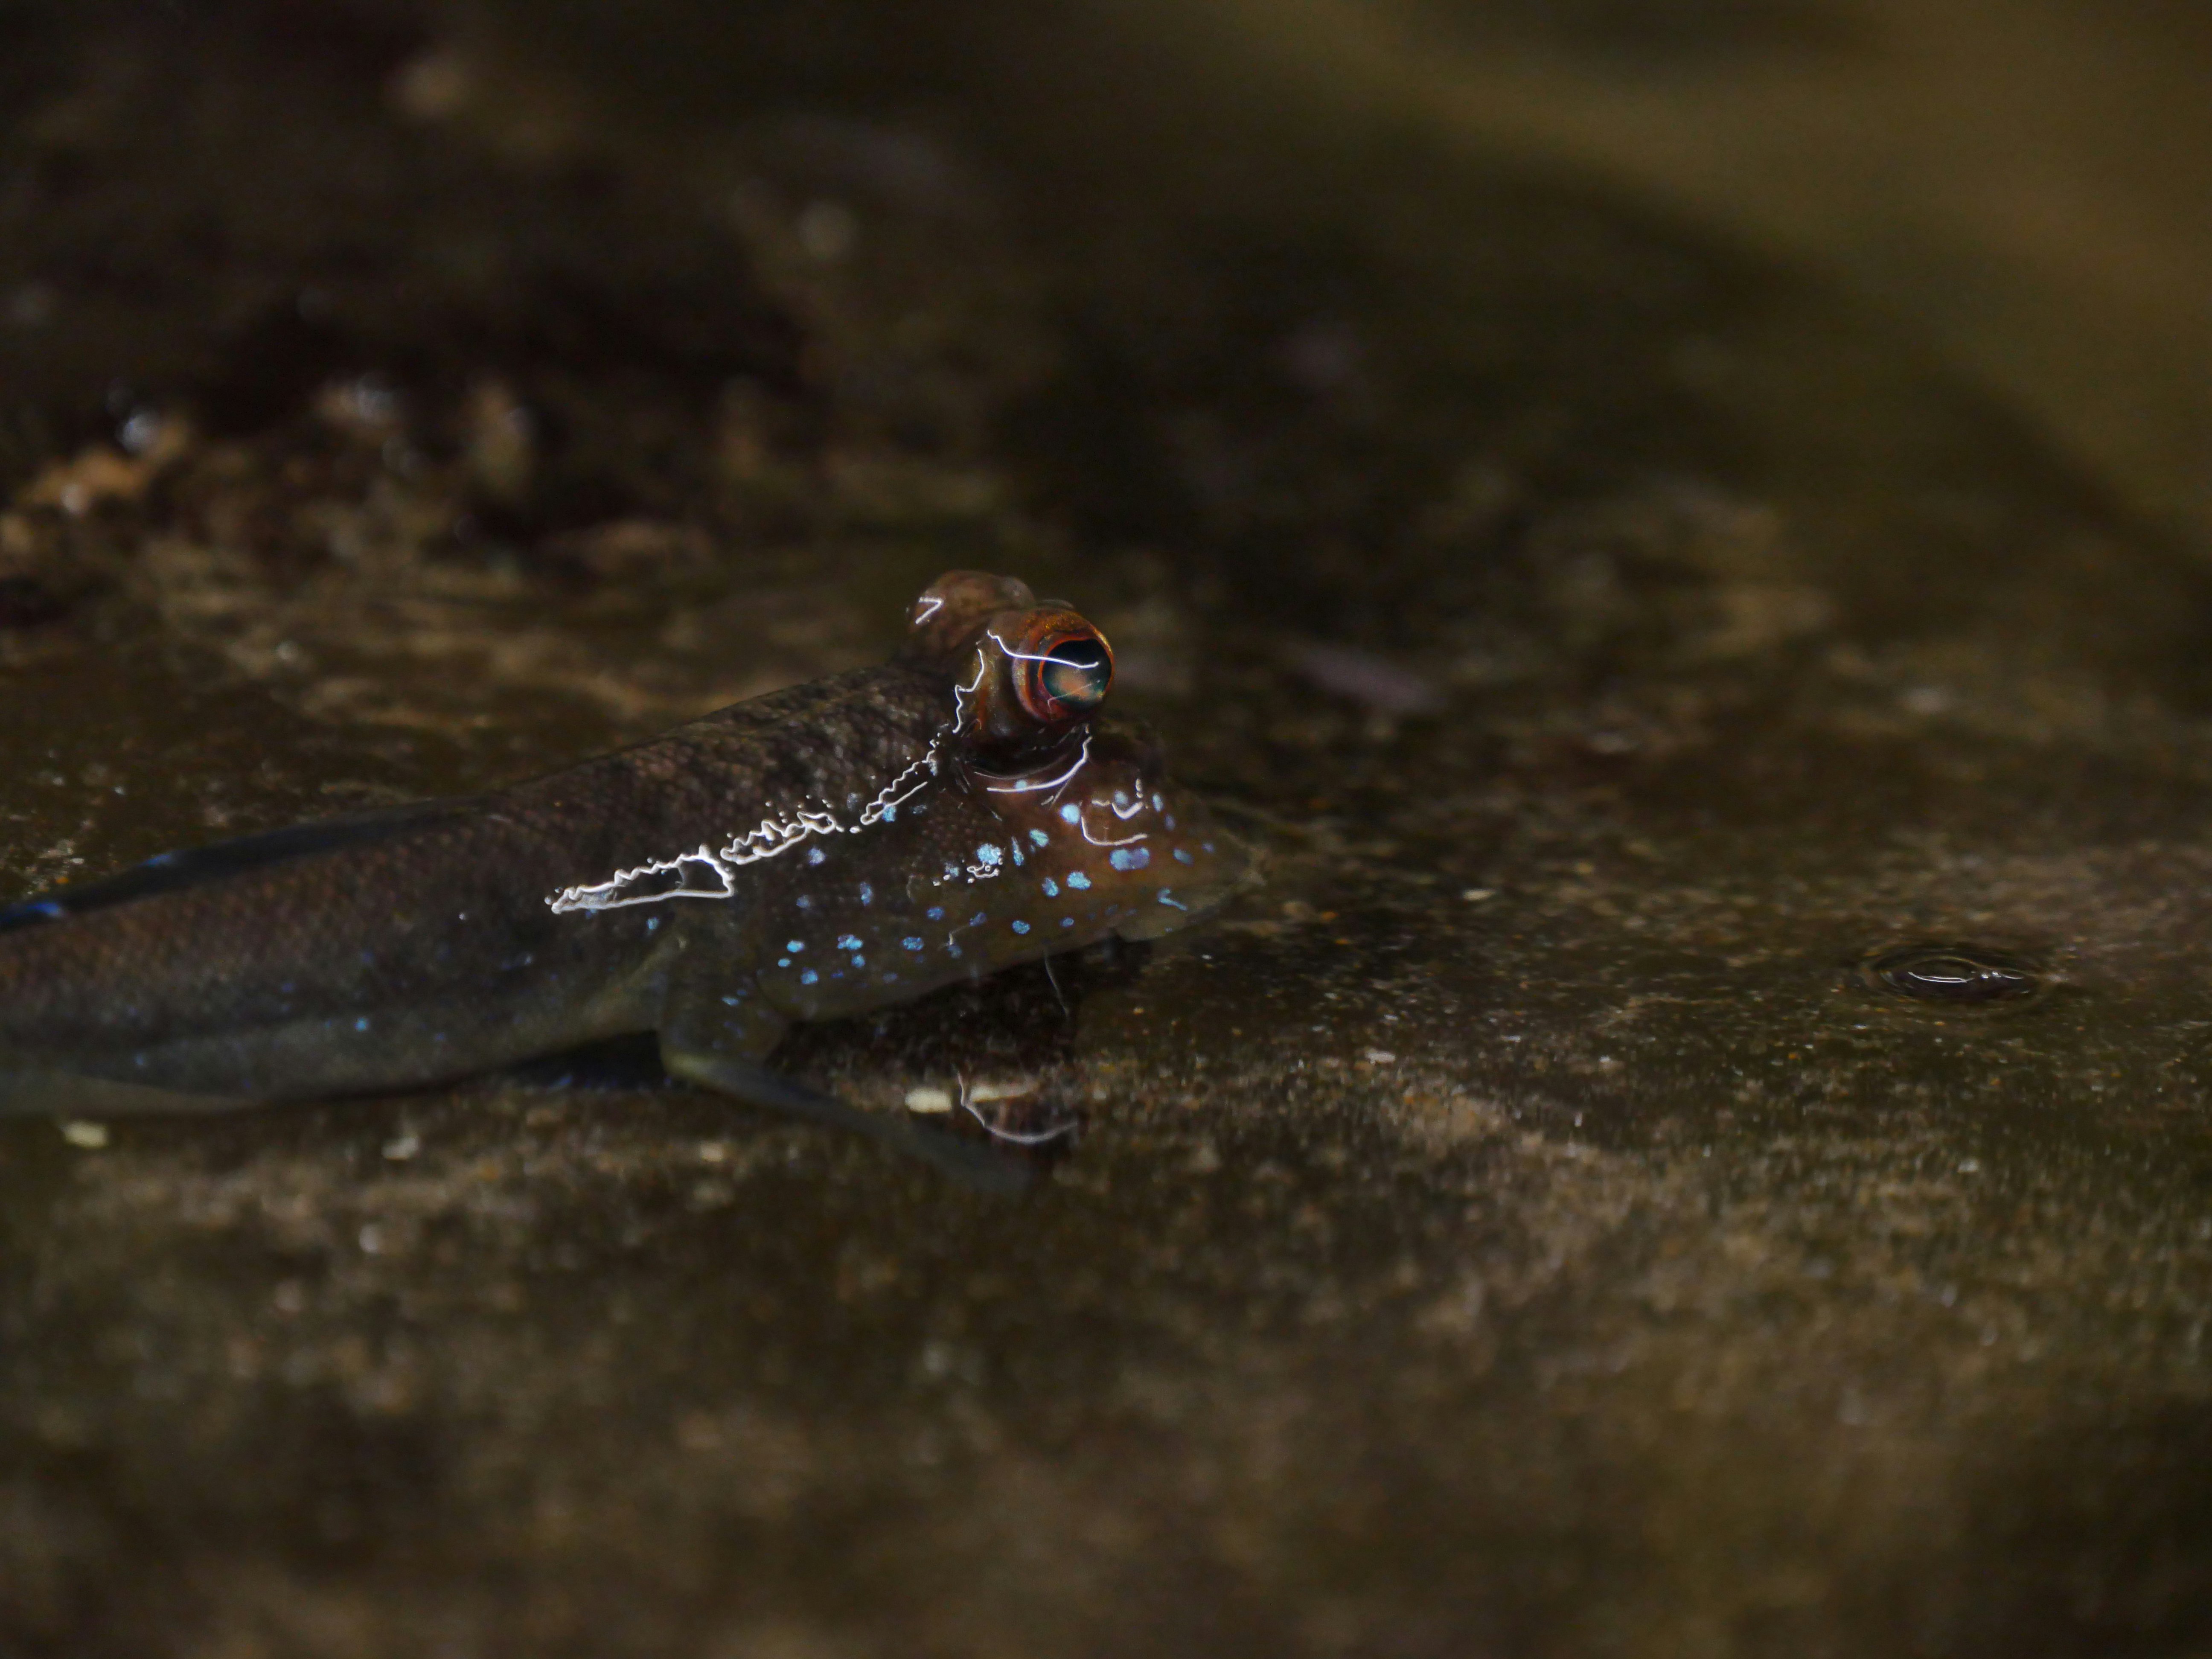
1075,673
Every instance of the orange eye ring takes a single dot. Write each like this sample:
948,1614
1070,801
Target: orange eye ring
1063,668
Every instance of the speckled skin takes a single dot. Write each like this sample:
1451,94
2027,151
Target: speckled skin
825,849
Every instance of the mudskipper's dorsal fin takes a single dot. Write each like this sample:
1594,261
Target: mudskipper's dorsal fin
195,866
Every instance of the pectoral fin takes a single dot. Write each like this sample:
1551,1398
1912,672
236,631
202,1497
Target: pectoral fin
747,1080
720,1044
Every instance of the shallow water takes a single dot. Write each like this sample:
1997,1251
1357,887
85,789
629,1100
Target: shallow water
1523,1223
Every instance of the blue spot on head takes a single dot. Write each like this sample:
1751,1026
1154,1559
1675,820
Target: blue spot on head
1016,847
731,1002
1077,878
49,907
1169,820
652,925
911,943
809,977
849,941
979,918
890,814
1072,813
951,870
859,960
1068,922
868,894
783,962
891,979
361,1024
1021,928
806,900
1183,855
814,855
950,949
1207,845
1130,858
936,912
1168,898
795,946
987,854
1051,888
1040,837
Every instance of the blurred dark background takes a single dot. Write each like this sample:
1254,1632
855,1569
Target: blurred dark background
2016,181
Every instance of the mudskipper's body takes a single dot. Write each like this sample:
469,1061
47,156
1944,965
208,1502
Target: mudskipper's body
822,850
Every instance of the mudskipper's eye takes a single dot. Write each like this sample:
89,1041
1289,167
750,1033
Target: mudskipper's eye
1064,672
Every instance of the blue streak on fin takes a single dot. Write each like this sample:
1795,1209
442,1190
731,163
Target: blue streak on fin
198,866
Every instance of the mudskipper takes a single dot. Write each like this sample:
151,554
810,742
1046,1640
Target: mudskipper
817,852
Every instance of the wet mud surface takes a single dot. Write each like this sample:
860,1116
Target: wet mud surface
1697,1144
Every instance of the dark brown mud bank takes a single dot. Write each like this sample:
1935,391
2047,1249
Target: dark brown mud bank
1698,1145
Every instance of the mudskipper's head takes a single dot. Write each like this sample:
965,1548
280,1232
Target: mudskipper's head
1095,839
